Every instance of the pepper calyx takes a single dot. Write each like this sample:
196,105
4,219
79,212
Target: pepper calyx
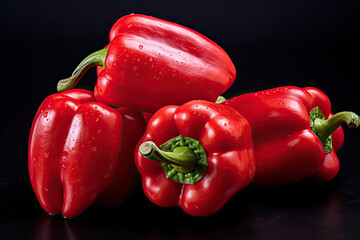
317,119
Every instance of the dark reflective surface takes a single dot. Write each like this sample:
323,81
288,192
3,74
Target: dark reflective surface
307,210
272,43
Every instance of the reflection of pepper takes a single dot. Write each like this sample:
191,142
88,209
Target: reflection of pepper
81,151
207,156
151,63
290,144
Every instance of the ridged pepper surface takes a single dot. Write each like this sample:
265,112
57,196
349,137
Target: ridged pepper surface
81,152
205,156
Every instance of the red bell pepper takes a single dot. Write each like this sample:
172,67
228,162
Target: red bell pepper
146,115
206,156
151,63
292,139
81,151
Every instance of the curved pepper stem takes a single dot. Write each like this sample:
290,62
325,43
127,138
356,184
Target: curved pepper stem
324,128
182,157
95,59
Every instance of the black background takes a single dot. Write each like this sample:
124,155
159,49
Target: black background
272,43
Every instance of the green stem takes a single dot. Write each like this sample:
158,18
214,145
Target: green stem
95,59
220,99
182,158
324,128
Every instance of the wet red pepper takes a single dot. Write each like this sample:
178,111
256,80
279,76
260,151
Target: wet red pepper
206,156
292,139
151,63
81,152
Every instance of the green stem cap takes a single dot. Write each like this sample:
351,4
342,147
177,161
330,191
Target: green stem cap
324,128
183,159
95,59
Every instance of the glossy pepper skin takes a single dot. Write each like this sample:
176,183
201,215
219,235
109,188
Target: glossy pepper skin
146,115
225,137
81,151
286,148
150,63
